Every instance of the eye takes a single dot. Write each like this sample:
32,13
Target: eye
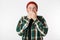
34,7
29,7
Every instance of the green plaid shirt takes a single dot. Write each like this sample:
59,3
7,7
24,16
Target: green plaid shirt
38,29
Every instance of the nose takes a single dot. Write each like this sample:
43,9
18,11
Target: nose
32,9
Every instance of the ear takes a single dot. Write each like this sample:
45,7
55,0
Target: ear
36,9
27,9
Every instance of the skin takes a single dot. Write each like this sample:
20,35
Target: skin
32,11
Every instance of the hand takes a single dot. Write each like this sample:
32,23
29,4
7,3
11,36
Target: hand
33,15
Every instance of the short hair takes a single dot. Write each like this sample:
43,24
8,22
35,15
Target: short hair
31,2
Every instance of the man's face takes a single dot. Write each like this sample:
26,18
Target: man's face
31,8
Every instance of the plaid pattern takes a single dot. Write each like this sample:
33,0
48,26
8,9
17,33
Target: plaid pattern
38,29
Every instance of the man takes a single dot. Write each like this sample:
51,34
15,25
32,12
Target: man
38,28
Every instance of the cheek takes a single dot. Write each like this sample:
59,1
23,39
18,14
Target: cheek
35,10
28,10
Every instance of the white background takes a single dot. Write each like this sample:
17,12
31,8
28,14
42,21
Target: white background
12,10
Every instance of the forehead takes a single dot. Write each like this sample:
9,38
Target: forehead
31,5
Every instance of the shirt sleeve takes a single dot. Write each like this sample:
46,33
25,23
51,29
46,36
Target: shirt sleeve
41,26
22,25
